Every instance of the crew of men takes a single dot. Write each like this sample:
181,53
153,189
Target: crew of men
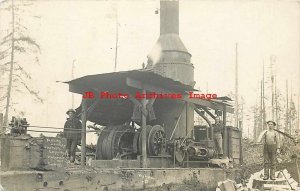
72,132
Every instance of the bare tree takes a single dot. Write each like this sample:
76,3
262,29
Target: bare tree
15,46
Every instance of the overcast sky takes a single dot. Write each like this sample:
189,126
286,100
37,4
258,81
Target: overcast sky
84,31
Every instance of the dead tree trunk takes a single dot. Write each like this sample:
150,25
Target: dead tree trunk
11,65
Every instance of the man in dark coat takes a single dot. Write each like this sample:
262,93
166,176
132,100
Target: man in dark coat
72,132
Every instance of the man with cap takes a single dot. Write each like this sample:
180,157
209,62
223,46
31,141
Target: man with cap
271,146
72,133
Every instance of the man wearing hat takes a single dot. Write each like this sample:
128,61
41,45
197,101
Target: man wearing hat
271,146
72,132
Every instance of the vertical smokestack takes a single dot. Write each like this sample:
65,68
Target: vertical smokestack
169,17
169,57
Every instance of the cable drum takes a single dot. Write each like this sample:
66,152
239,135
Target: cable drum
107,143
123,142
115,140
104,133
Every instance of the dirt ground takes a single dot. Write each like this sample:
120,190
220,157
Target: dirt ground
180,187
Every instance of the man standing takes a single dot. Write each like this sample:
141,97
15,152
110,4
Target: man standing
271,146
72,133
218,129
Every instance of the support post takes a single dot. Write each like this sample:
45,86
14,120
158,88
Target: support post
241,142
186,118
83,130
174,147
2,131
236,112
2,128
144,131
225,137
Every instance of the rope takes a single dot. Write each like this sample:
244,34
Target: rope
58,128
70,129
45,127
55,131
80,130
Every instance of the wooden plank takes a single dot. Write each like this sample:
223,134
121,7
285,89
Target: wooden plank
227,185
294,185
291,180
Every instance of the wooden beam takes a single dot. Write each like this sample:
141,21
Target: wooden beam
2,128
225,135
83,131
144,132
207,111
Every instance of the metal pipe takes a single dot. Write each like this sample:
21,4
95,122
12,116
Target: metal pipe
169,17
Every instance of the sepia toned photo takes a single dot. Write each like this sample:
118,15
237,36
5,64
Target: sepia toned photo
164,95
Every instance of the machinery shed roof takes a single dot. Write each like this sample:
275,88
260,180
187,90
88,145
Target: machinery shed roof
118,111
117,81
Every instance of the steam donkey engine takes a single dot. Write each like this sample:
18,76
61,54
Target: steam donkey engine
170,134
125,142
